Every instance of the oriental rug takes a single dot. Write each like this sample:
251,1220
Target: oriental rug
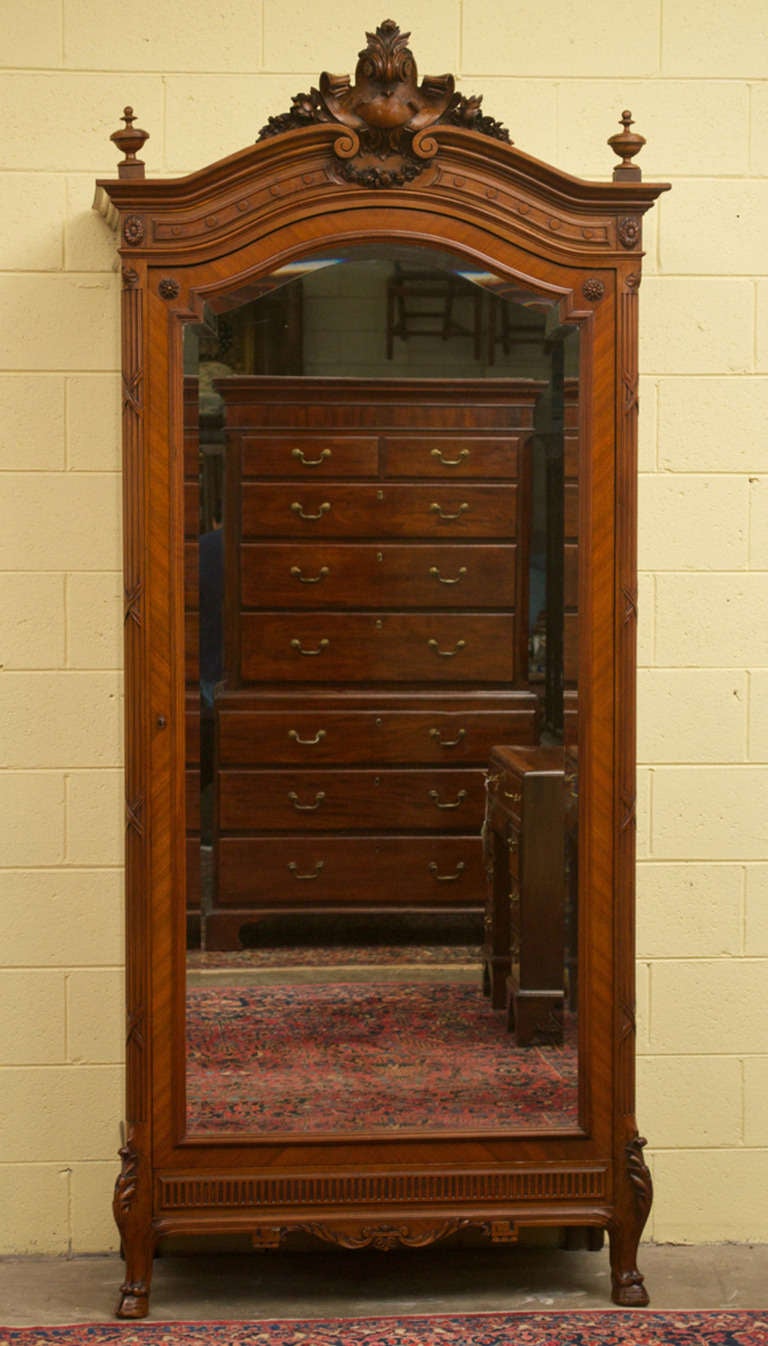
636,1327
338,955
353,1056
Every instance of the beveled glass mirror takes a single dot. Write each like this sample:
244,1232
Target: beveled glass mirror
322,994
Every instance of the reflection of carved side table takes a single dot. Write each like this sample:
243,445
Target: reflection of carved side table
523,966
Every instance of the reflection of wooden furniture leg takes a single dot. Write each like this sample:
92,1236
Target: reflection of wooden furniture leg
497,932
525,916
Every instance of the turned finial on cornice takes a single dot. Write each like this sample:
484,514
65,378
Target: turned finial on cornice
626,144
130,139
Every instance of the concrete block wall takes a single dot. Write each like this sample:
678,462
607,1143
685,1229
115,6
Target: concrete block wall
558,76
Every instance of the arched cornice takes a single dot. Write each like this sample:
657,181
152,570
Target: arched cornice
293,175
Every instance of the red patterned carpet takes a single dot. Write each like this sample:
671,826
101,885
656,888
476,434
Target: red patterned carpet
601,1328
351,1056
340,955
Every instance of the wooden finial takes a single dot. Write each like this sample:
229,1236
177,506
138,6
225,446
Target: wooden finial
626,144
130,139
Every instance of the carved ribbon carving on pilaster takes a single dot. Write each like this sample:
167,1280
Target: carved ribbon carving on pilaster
132,609
386,117
134,815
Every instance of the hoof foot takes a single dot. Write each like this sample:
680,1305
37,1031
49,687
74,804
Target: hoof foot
630,1291
133,1302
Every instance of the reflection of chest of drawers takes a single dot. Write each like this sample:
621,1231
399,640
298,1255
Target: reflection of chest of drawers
375,579
525,954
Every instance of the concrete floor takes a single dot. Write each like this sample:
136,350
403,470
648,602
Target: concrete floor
195,1287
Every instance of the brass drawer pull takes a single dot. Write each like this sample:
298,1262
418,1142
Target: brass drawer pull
513,795
435,795
447,742
306,742
446,654
306,808
433,570
449,462
294,868
296,645
446,878
299,509
310,462
446,518
309,579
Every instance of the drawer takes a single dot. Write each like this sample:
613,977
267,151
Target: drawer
451,456
362,872
418,575
309,511
397,647
310,455
381,801
306,738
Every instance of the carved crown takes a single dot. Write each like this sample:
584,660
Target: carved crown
386,115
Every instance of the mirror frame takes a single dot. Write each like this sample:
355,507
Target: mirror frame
306,187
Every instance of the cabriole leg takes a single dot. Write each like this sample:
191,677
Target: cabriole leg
132,1211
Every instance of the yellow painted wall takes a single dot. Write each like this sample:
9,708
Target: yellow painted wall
203,78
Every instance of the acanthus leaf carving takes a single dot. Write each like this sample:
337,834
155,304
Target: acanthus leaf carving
384,1237
385,115
639,1176
126,1182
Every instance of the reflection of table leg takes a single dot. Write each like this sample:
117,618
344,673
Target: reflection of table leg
535,987
498,932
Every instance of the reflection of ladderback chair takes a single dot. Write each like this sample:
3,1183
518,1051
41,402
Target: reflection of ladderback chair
421,303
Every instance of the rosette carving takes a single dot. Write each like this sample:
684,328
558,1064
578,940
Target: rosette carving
386,114
593,289
168,288
133,230
628,230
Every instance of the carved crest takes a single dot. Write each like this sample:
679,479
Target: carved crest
386,115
